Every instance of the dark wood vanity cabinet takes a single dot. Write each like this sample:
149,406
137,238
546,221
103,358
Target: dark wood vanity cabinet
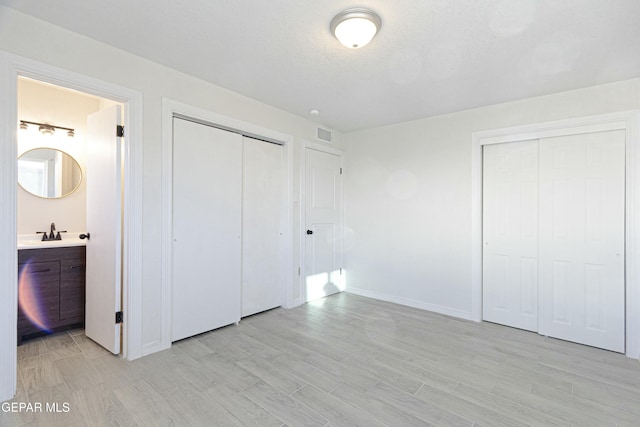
51,290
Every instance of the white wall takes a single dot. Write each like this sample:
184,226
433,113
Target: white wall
47,104
31,38
408,196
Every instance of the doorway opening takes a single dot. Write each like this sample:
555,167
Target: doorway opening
13,67
321,176
70,175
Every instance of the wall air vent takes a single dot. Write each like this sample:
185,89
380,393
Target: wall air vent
323,134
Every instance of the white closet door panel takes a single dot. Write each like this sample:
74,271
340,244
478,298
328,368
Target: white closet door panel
510,234
262,204
582,208
207,189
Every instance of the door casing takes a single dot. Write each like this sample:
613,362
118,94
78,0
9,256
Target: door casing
11,67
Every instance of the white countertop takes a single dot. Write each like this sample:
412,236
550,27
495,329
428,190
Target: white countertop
34,241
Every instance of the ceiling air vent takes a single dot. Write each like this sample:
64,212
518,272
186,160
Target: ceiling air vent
323,134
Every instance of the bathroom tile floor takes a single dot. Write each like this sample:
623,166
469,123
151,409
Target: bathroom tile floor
341,360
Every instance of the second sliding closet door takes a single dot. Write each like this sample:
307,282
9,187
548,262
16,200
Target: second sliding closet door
207,191
582,204
262,203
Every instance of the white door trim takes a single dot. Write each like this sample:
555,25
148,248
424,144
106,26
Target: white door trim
170,109
12,66
626,120
303,217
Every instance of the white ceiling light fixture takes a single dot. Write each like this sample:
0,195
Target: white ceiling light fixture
355,27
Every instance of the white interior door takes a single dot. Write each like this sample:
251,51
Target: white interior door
510,234
104,223
582,202
207,188
323,215
262,204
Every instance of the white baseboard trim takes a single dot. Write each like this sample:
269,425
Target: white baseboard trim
154,347
447,311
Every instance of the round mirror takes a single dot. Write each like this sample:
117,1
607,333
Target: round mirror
49,173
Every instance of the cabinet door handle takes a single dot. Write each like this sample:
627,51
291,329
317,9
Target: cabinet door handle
75,266
41,271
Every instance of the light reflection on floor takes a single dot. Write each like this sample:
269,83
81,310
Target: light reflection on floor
322,284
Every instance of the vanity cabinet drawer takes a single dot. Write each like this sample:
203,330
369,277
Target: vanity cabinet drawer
50,254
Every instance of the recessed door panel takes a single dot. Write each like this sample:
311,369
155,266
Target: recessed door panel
561,294
501,281
594,287
528,286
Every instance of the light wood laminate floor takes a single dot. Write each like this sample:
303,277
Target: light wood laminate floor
342,360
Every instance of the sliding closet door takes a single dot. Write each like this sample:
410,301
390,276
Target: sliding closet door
262,209
582,202
510,234
207,188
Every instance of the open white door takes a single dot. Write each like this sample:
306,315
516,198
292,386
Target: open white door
323,213
104,224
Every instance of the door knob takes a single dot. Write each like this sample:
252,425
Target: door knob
309,231
85,236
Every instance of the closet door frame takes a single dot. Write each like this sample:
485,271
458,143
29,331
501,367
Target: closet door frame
171,109
629,121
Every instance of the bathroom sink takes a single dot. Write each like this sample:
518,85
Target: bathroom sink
29,242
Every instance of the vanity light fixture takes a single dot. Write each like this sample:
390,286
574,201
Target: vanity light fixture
46,129
355,27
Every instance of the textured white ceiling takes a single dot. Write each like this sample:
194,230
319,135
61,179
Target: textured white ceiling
431,56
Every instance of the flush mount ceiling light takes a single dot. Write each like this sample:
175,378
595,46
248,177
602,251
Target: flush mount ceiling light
356,27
